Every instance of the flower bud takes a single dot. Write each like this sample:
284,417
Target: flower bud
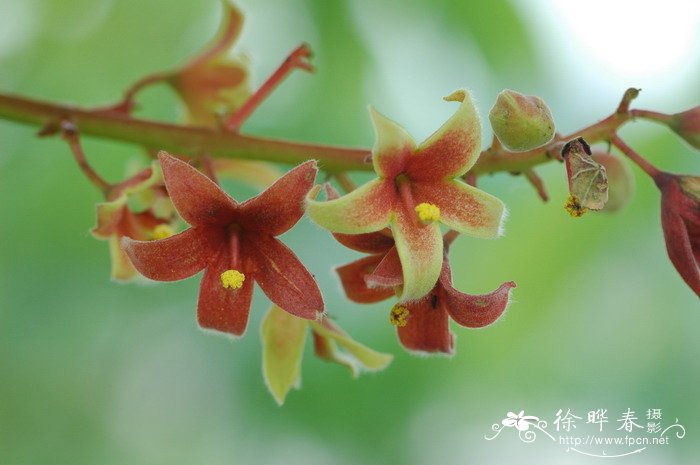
687,125
521,122
620,180
680,221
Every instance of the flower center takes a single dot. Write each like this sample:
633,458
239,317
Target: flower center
428,212
399,316
232,279
162,231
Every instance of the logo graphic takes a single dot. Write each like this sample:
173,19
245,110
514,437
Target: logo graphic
592,439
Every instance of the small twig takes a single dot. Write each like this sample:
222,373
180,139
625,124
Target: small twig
297,59
624,106
345,182
642,162
537,183
70,135
208,167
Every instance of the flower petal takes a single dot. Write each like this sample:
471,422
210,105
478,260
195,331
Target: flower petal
122,269
222,309
352,277
283,278
196,197
679,248
427,329
366,209
176,257
374,242
453,149
280,206
463,208
109,215
392,147
476,311
388,272
357,357
283,337
420,251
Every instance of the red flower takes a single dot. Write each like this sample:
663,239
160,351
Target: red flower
235,244
422,325
116,218
680,220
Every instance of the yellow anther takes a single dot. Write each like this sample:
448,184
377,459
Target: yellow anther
574,208
232,279
428,212
162,231
399,316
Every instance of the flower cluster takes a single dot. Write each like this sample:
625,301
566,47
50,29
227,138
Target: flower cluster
422,197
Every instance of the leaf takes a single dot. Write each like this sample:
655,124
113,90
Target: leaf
283,337
588,181
357,357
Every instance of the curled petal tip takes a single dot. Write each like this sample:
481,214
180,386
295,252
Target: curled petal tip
457,96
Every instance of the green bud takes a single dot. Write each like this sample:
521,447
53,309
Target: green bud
521,122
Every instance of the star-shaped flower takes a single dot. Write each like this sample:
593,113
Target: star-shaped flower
680,220
417,186
117,218
422,325
235,244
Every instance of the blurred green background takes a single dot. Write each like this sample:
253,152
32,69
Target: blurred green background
92,372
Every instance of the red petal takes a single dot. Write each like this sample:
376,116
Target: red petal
196,197
352,277
452,149
366,209
694,235
279,207
388,273
427,329
222,309
679,247
376,242
392,148
283,278
476,311
463,208
176,257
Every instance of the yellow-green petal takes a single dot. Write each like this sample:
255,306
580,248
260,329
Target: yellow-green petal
420,251
392,146
366,209
357,357
283,337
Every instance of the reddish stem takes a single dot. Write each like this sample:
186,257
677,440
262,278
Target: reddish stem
297,59
345,182
642,162
208,167
652,115
537,183
70,135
